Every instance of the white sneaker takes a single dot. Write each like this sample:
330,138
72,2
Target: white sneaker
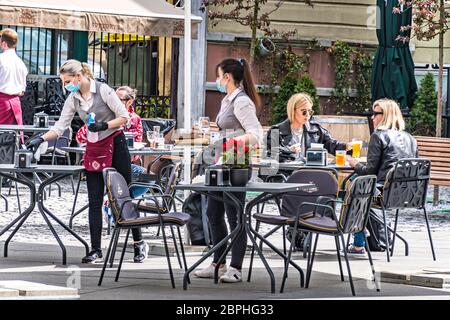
208,272
231,276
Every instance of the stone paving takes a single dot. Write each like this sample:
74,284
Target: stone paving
36,230
35,256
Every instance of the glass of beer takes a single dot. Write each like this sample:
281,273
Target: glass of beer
340,158
356,148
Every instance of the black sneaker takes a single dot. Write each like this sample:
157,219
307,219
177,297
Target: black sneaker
140,251
92,256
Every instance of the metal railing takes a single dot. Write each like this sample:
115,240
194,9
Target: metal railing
148,64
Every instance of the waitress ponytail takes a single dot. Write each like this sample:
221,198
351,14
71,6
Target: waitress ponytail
87,70
240,70
249,84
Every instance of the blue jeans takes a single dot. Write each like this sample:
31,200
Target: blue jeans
359,240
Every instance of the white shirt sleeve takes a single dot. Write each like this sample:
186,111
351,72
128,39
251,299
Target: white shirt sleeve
245,112
66,117
112,100
24,76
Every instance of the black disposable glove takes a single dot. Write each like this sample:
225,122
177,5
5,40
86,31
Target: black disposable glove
98,126
34,143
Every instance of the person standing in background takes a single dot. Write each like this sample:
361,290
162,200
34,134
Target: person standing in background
13,78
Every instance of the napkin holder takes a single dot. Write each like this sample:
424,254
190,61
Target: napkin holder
316,157
217,176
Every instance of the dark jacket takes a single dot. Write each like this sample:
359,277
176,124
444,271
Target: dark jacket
385,148
312,133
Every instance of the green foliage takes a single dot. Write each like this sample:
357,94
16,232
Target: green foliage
352,70
306,85
422,120
363,82
287,89
343,67
153,107
290,86
287,70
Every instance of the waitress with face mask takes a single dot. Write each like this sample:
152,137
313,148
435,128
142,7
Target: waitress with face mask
236,118
106,145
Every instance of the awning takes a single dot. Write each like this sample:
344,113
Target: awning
139,17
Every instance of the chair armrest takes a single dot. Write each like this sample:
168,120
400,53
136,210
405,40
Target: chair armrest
154,199
272,177
142,184
329,199
316,205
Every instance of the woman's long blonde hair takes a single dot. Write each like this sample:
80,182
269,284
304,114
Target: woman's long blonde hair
392,116
74,67
296,101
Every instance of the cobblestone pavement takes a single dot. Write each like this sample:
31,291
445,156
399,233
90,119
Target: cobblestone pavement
35,230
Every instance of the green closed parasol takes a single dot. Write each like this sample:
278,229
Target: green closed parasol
393,67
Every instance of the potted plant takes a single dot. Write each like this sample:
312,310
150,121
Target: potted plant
236,155
265,46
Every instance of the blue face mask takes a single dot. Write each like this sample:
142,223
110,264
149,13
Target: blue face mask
220,87
73,88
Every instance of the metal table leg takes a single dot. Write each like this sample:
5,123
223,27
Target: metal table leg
23,216
47,213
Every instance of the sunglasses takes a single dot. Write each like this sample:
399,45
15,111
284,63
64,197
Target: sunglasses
375,113
305,112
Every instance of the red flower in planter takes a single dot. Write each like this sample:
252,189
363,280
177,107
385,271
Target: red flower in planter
236,153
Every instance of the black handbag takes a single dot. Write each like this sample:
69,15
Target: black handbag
198,226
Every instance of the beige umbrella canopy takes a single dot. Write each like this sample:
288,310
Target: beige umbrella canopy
141,17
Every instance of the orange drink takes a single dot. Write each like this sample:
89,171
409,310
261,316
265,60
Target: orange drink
356,149
340,158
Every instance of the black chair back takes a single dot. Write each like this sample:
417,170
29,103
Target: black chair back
326,184
54,96
119,195
7,146
406,184
28,104
357,202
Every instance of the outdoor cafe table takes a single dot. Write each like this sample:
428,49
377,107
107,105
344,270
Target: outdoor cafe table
294,165
26,128
37,196
267,191
139,151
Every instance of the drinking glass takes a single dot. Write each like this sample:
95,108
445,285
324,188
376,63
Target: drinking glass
156,129
160,141
151,139
340,158
203,125
356,148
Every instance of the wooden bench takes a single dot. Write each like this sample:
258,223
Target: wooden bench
437,150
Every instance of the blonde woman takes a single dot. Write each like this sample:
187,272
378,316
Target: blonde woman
388,144
105,134
298,131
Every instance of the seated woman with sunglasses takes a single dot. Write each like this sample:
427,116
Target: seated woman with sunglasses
388,144
295,134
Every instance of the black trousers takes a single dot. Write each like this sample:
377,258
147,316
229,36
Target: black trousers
96,190
216,215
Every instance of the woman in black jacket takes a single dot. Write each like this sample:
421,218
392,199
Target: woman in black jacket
388,144
291,138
